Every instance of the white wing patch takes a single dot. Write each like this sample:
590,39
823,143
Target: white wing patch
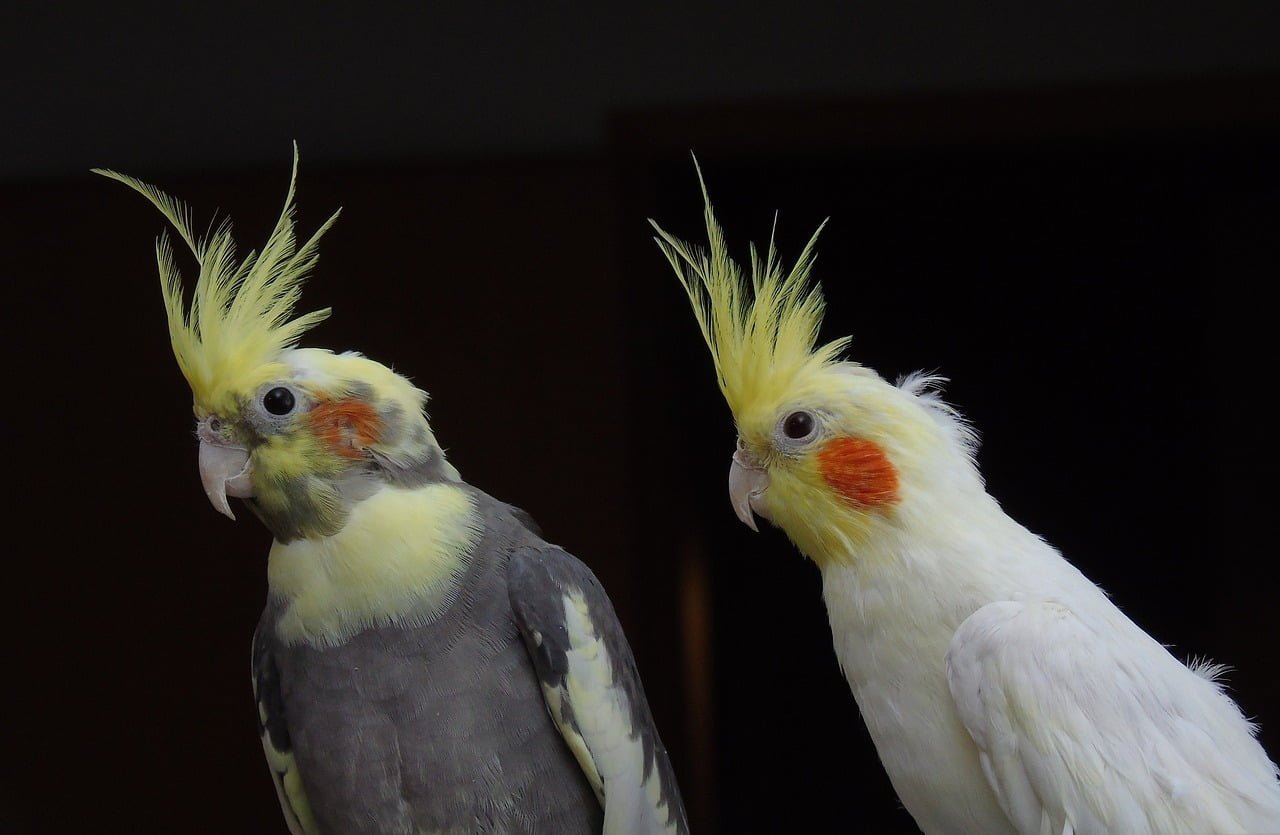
599,730
284,774
293,800
1091,731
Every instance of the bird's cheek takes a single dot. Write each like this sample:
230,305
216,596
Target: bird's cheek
859,472
345,426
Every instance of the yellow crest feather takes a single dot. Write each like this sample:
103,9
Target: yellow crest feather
760,337
240,315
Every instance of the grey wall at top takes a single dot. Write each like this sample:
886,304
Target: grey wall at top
154,86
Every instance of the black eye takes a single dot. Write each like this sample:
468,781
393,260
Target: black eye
798,425
278,401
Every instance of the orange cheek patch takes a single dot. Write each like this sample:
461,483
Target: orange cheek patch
859,471
345,425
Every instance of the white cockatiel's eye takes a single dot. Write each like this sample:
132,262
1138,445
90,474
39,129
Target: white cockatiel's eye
798,427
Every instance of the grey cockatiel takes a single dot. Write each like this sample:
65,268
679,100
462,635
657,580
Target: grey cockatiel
425,662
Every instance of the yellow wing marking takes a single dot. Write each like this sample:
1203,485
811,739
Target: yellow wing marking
293,799
604,742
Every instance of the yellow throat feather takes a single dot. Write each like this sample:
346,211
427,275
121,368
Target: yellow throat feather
239,321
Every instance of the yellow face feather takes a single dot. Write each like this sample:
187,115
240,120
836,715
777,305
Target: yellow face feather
229,341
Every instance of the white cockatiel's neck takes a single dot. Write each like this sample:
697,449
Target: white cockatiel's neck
895,602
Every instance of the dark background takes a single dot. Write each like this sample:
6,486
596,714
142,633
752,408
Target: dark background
1073,215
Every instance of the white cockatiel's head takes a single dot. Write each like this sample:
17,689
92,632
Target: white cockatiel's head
827,450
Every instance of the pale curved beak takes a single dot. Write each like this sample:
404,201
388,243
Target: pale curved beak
224,471
747,483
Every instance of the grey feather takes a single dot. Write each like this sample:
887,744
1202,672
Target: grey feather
443,726
541,579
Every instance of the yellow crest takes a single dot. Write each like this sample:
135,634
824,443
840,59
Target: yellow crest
239,319
761,337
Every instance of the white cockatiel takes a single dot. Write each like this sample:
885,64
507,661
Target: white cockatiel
1003,690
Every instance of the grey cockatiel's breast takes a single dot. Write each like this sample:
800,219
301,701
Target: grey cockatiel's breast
436,727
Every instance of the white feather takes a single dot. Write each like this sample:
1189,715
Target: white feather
614,753
1105,725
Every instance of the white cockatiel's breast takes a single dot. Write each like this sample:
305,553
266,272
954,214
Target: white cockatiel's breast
1005,693
896,668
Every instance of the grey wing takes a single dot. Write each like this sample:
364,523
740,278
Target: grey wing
276,743
524,518
593,691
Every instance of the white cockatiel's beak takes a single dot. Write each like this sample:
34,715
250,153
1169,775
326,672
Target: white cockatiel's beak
748,482
224,470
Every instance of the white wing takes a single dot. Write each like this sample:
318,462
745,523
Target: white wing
1100,730
593,691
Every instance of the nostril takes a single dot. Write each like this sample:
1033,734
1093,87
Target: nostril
215,425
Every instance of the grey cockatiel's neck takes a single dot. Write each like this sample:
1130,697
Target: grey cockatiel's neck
319,507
